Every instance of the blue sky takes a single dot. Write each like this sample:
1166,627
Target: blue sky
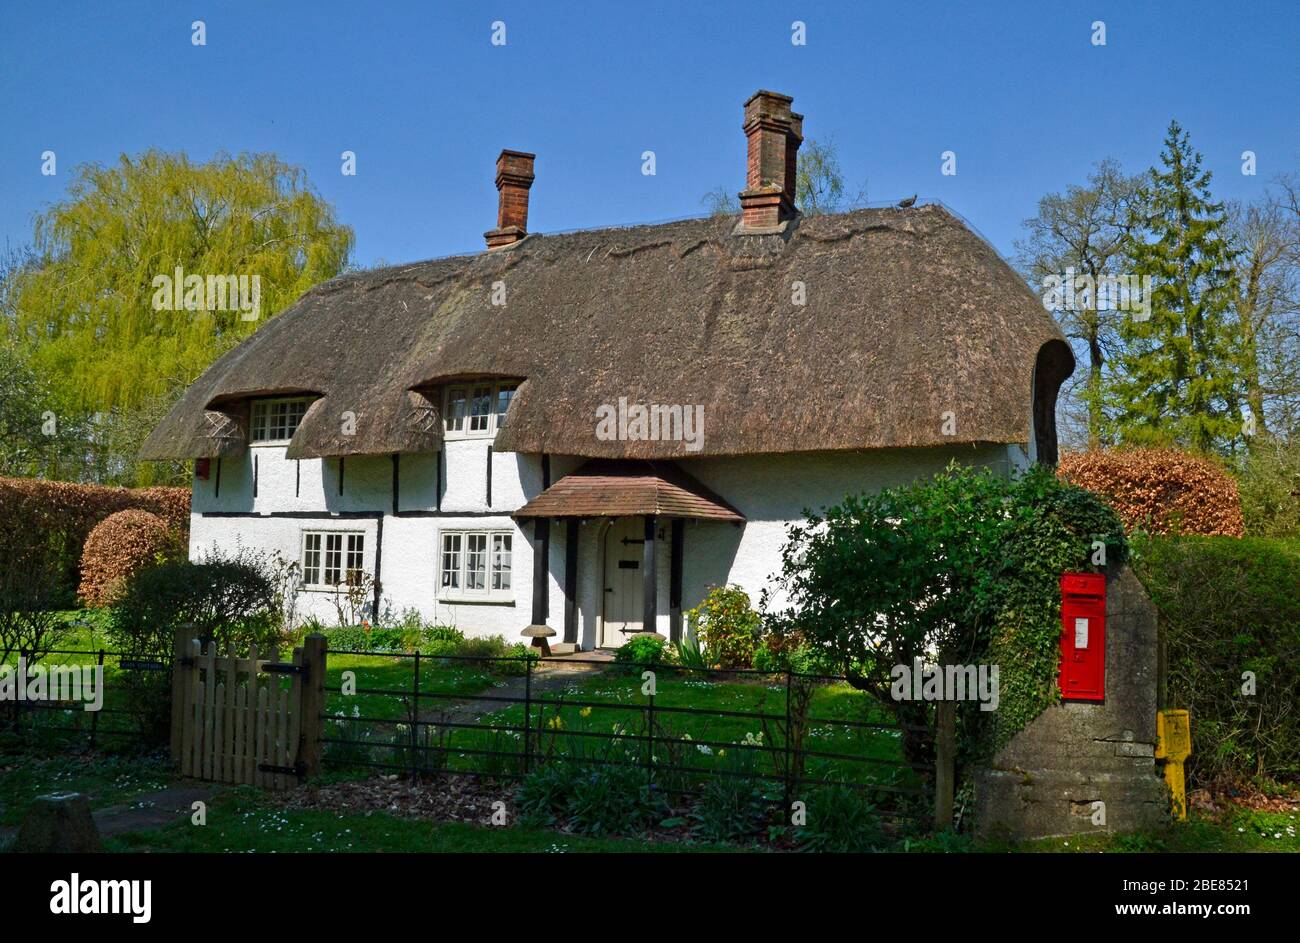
417,90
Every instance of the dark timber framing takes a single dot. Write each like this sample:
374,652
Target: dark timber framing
540,565
651,580
396,482
340,476
489,476
571,581
255,476
216,487
675,581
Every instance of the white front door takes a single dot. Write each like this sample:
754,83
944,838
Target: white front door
624,581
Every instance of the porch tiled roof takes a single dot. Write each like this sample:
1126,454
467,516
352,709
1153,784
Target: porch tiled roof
611,488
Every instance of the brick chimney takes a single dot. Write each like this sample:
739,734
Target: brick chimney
774,133
514,177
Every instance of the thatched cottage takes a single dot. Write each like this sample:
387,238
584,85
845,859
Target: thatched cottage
587,430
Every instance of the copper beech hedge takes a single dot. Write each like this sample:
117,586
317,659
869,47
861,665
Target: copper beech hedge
120,546
1160,491
39,517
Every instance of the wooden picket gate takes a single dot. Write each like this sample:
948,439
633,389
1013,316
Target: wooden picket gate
252,721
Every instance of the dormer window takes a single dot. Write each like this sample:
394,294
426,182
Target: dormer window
476,409
274,421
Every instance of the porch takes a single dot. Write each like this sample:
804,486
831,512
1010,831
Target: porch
627,514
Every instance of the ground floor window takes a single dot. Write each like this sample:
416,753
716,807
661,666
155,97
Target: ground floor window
330,558
475,564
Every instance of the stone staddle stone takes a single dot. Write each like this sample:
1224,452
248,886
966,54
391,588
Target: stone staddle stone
58,823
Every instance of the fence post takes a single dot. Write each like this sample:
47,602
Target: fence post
789,735
315,654
650,742
415,718
528,714
94,718
945,750
180,645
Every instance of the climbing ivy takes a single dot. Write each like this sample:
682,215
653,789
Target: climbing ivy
1053,528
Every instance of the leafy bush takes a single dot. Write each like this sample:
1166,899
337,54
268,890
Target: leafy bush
688,653
965,565
232,602
1228,607
1269,484
121,545
840,819
731,807
590,800
39,517
1160,491
641,651
727,627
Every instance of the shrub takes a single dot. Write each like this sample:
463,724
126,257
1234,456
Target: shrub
688,653
1269,484
121,545
38,516
1160,491
642,650
840,818
727,627
731,807
1228,607
232,602
590,799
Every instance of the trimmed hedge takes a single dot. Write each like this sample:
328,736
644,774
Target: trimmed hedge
1160,491
39,518
1228,607
120,546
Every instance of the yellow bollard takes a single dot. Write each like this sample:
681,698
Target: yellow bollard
1174,745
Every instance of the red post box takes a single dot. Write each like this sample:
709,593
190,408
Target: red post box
1083,636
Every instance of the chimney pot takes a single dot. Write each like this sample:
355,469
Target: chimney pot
514,178
774,134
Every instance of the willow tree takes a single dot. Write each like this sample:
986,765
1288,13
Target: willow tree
97,311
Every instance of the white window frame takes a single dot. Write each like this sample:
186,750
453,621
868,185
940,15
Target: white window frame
263,405
493,556
459,426
346,538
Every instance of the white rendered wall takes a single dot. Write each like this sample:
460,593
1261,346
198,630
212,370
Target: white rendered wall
770,491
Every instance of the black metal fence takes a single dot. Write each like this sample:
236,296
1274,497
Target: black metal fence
678,725
40,718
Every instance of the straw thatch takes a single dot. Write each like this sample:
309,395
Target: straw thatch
909,316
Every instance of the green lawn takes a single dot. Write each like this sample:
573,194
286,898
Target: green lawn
104,779
1238,830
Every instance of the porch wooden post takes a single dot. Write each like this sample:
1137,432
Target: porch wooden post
541,566
651,580
571,581
675,581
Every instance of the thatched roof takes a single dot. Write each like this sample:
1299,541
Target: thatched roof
909,316
609,488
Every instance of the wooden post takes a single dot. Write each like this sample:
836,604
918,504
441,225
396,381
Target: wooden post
541,568
180,648
312,706
675,581
945,755
651,585
571,581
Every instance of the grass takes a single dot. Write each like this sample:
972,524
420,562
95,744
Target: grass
1237,830
105,780
246,821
